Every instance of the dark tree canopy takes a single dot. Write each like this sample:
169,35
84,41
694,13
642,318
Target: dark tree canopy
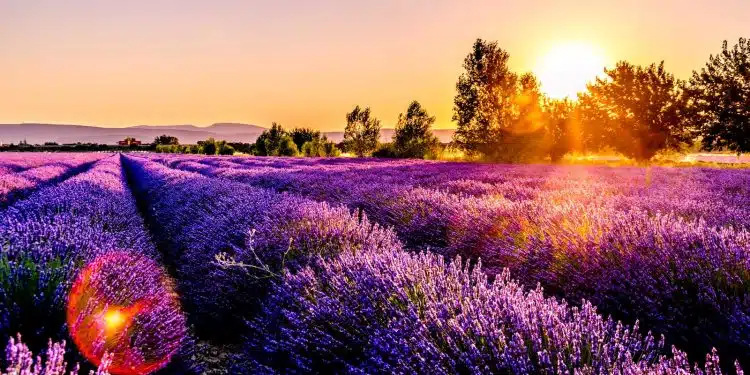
300,136
484,100
208,147
636,110
320,147
413,137
362,132
499,114
275,142
269,137
720,93
166,140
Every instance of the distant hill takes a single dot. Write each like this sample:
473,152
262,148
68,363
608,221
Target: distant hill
187,134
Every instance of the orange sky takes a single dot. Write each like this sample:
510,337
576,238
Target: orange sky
307,62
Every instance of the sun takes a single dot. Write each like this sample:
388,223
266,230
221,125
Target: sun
566,69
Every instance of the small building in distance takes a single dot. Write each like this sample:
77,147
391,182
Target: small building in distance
129,142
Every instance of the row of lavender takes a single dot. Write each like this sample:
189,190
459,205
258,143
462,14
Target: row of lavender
14,162
47,239
683,191
21,174
668,247
309,287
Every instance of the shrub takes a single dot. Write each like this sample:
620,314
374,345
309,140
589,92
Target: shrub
385,150
205,226
226,149
394,312
413,137
300,136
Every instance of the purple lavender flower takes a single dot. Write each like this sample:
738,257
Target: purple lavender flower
21,361
665,246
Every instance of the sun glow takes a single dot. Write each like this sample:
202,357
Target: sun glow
125,306
566,69
114,319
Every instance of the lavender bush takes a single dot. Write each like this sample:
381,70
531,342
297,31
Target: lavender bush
395,312
299,265
25,180
197,218
640,244
21,361
48,237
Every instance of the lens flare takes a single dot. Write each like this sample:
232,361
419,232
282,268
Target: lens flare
125,305
114,319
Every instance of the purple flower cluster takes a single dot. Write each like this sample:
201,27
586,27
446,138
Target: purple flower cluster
195,219
394,312
668,247
20,161
24,178
299,265
21,361
48,237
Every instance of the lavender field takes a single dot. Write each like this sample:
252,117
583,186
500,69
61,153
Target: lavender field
184,264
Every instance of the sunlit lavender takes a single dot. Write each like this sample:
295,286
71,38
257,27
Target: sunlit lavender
282,265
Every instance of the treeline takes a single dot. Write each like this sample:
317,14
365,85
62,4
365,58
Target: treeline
503,116
275,141
412,138
211,146
636,110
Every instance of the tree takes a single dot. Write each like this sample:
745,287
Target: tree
720,95
638,111
166,140
275,142
302,135
270,137
319,147
524,137
208,147
413,137
331,149
245,148
362,131
225,149
563,127
313,149
498,112
485,94
286,147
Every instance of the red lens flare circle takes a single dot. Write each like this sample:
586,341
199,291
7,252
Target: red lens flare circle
125,305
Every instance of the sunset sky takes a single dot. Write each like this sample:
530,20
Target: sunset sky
307,62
